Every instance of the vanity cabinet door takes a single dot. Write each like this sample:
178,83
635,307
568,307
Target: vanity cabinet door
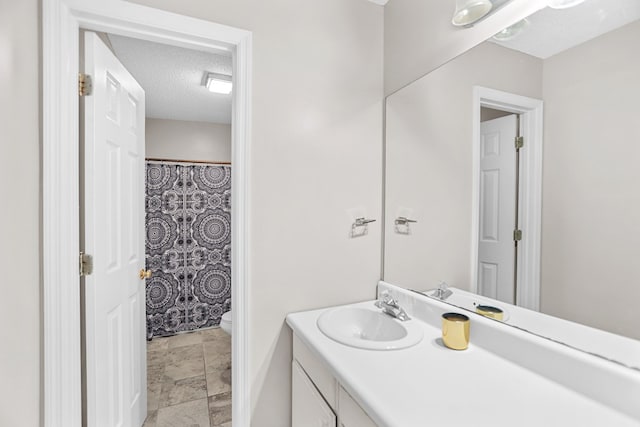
309,408
350,414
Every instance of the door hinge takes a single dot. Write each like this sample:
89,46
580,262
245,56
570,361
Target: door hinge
84,84
86,264
517,235
519,142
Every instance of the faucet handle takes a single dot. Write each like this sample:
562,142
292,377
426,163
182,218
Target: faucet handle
387,299
391,307
442,292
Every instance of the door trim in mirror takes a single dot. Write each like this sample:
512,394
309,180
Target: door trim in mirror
530,212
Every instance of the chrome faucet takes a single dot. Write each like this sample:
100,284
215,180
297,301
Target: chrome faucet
391,307
442,292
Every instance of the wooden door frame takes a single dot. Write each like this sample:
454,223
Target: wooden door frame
530,212
61,23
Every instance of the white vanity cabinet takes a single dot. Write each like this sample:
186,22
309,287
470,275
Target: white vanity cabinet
318,400
309,407
351,414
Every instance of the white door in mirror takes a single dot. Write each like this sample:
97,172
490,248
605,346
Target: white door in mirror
496,263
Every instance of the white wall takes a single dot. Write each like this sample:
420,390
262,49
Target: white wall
591,199
19,218
182,140
419,37
429,163
316,152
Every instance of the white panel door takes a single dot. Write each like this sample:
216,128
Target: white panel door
496,248
308,407
114,235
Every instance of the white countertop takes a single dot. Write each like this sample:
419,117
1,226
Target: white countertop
429,384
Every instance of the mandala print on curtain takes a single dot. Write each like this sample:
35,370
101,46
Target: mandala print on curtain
188,246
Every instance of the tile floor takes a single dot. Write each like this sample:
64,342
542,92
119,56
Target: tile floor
189,380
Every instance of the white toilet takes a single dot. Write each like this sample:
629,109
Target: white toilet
225,322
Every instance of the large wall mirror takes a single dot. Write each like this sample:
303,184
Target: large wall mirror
513,171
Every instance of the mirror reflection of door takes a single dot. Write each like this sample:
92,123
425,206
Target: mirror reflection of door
498,206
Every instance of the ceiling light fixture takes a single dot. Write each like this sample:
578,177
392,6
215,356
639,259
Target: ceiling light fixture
218,83
563,4
469,11
512,31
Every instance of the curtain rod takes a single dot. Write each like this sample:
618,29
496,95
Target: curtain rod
153,159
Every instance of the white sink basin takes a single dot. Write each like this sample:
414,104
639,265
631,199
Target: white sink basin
369,329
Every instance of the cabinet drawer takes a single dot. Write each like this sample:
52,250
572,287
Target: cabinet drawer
350,414
316,370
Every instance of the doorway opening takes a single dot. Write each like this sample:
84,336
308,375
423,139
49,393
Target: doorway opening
63,394
159,94
506,205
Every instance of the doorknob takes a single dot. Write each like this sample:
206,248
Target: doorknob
144,274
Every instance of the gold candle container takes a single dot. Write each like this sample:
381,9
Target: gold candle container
455,331
490,311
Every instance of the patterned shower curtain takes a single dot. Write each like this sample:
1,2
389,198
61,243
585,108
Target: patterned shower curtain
188,246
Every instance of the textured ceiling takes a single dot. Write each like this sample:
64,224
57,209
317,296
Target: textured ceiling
552,31
172,79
